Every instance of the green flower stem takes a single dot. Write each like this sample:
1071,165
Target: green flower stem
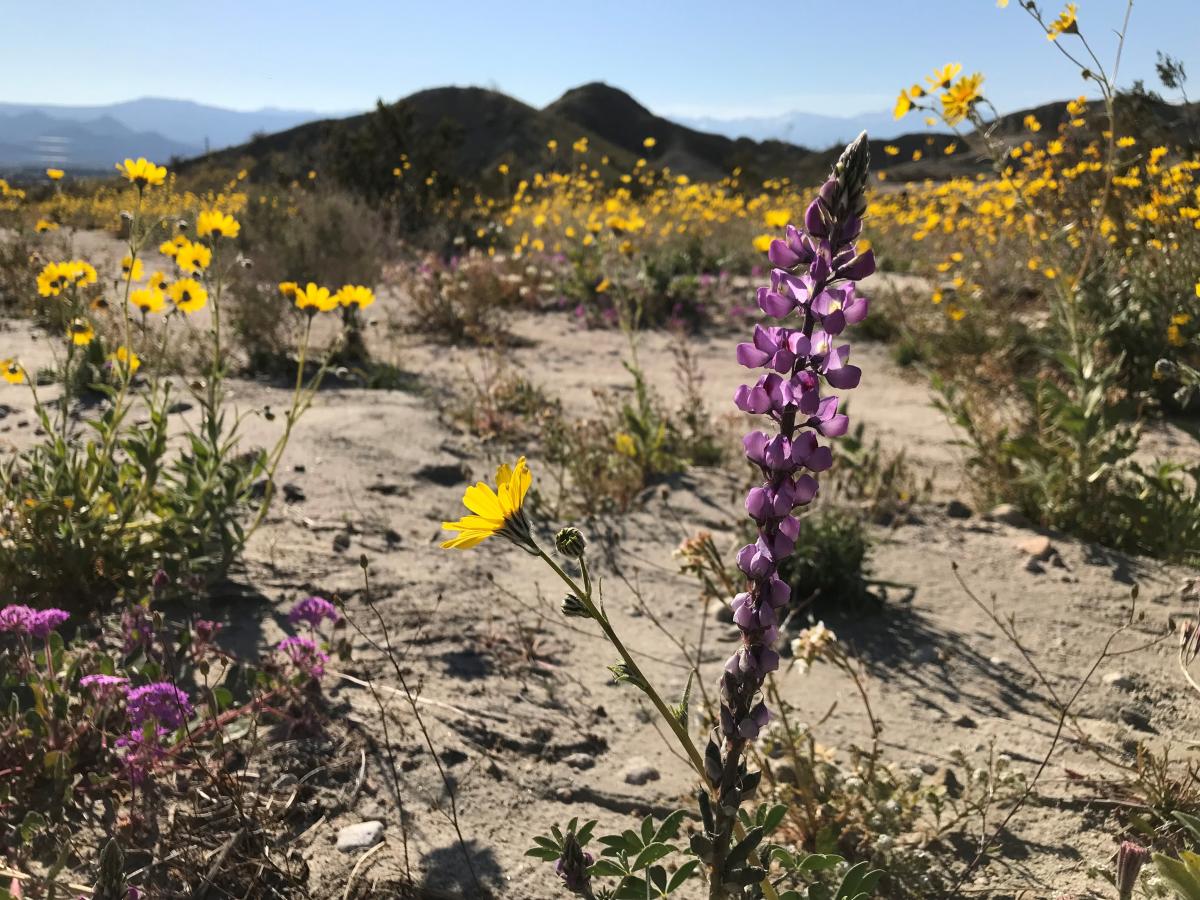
678,727
585,597
110,437
301,400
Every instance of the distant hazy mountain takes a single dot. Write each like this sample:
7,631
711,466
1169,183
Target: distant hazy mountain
88,137
805,129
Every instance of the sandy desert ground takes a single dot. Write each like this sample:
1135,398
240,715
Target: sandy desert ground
520,705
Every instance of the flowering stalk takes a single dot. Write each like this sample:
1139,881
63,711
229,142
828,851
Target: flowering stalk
814,275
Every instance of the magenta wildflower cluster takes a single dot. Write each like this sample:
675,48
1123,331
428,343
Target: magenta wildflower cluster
36,623
813,281
303,650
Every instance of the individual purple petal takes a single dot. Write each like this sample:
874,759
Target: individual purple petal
814,220
751,357
752,399
774,303
780,254
859,267
806,489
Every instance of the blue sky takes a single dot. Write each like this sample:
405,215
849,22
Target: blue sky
723,58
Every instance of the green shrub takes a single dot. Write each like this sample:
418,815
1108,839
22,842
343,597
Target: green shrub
327,237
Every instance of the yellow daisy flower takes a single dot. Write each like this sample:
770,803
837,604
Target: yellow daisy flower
355,295
193,258
82,273
142,172
495,511
217,224
80,332
12,371
172,247
942,78
55,174
314,299
132,269
148,299
52,279
188,295
125,357
1065,23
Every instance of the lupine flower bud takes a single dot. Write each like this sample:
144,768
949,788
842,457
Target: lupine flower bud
570,542
1130,859
572,867
160,581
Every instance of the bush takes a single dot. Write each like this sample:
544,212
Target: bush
323,236
827,574
498,404
117,728
632,443
103,506
466,299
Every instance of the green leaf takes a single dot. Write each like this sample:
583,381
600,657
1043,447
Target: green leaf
859,880
652,853
1176,874
658,878
1191,823
607,867
773,818
543,853
32,823
819,862
682,874
647,829
669,829
633,889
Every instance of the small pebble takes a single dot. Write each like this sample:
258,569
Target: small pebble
579,760
639,771
360,836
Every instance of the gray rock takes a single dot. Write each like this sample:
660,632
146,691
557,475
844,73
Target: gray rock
956,509
639,771
1118,681
1009,515
360,836
965,721
579,760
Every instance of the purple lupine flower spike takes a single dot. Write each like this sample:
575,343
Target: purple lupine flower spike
815,267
